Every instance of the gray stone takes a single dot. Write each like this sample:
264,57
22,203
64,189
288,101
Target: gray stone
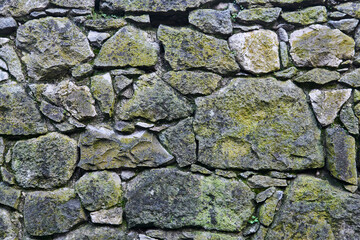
318,76
7,176
124,127
351,78
320,46
57,12
336,15
306,16
169,198
350,8
38,14
97,38
51,111
268,209
259,181
7,25
199,169
276,174
121,82
282,34
211,21
144,125
327,103
247,28
112,216
9,196
3,65
91,232
260,234
51,46
87,4
103,91
286,74
105,24
251,229
348,118
351,188
2,150
8,230
130,72
259,15
145,18
82,70
20,8
225,174
46,213
127,175
187,49
262,196
234,125
341,154
266,57
345,25
284,55
3,76
8,54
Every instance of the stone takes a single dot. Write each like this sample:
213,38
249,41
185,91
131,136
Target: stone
44,162
80,12
251,229
20,8
259,181
15,118
121,82
336,15
351,188
282,34
3,65
350,8
103,91
83,70
129,46
307,16
319,76
225,174
2,150
38,14
105,24
260,234
3,41
345,25
356,96
348,118
127,175
259,15
57,12
262,196
193,82
327,103
284,175
320,46
51,111
51,46
247,28
169,198
211,21
154,100
124,127
112,216
284,54
341,154
199,169
87,4
99,190
7,25
234,125
8,54
44,212
286,73
268,209
187,49
351,78
102,148
7,176
8,230
316,209
97,38
144,125
92,232
256,51
9,196
357,38
130,72
145,18
3,76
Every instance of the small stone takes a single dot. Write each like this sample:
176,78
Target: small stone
7,176
144,125
226,174
3,65
160,128
105,24
286,74
8,230
132,72
3,41
8,54
200,169
348,118
57,12
112,216
351,78
247,174
318,76
127,175
99,190
306,16
121,82
51,111
351,188
268,209
38,14
327,103
124,127
276,174
9,196
83,70
282,34
259,15
345,25
2,150
260,234
65,127
97,38
253,228
356,96
262,196
284,55
357,38
211,21
7,25
336,15
259,181
103,91
350,8
3,76
145,18
80,12
246,28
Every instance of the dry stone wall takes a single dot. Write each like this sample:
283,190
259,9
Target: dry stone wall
179,119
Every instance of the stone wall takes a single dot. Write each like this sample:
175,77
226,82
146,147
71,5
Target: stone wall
179,119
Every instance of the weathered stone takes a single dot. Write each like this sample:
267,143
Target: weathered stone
19,8
256,51
351,78
341,154
124,127
51,111
282,34
234,125
284,175
87,4
351,188
82,70
193,82
128,47
8,230
3,65
38,14
225,174
3,76
130,72
105,24
7,176
284,55
348,118
259,181
315,209
186,48
97,38
103,91
18,112
327,103
251,229
144,125
285,3
111,216
189,234
345,25
127,175
169,198
2,150
91,232
247,28
318,76
262,196
9,196
51,46
287,73
102,148
211,21
7,52
145,18
44,212
320,46
268,209
306,16
154,100
121,82
7,25
199,169
350,8
57,12
44,162
336,15
259,15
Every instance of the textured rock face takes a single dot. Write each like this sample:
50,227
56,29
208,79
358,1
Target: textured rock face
306,16
74,3
7,52
319,76
350,8
19,8
234,126
51,45
103,91
174,199
7,228
259,15
351,78
211,21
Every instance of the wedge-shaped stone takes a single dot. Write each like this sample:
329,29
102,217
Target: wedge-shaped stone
348,118
186,48
350,8
306,16
102,148
236,127
103,91
169,198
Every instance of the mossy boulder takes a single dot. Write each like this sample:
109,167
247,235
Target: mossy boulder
306,16
211,21
318,76
169,198
236,126
92,232
259,15
103,91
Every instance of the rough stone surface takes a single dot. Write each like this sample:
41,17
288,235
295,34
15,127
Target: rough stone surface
51,111
19,8
351,78
7,52
320,46
9,25
8,230
112,216
259,15
259,181
348,118
345,25
82,70
103,91
318,76
169,198
268,209
211,21
91,232
306,16
9,196
236,123
104,24
327,103
262,196
256,51
286,73
87,4
44,162
350,8
97,38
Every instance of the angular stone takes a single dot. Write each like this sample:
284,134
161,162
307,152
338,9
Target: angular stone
234,125
3,65
284,175
211,21
268,209
199,169
284,55
225,174
287,73
82,70
51,111
145,18
180,140
103,91
350,8
87,4
189,234
169,198
121,82
306,16
127,175
262,196
44,162
283,35
259,15
351,188
128,47
316,209
259,181
327,103
7,176
46,213
51,46
256,51
105,24
341,154
18,112
351,78
8,54
112,216
345,25
57,12
8,230
186,48
251,229
91,232
124,127
7,25
348,118
20,8
320,46
97,38
102,148
357,38
318,76
154,100
3,76
129,72
9,196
